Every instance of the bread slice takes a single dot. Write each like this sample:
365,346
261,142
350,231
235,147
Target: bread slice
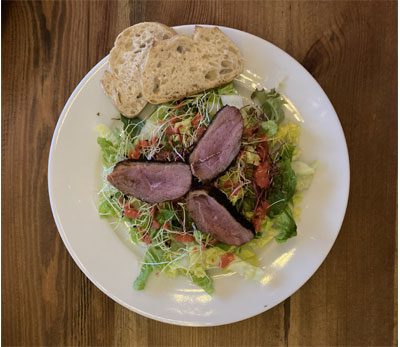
183,66
123,82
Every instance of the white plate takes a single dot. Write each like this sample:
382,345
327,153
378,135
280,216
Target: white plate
112,265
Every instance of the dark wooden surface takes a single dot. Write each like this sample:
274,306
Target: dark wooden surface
349,47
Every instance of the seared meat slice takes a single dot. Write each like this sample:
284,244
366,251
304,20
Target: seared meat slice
151,181
219,145
213,218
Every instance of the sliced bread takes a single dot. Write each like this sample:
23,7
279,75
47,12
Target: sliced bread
182,66
123,82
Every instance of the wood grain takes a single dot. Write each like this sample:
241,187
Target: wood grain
349,47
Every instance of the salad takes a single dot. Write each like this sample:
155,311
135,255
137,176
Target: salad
264,183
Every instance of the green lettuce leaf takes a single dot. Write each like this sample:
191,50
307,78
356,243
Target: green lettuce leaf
269,127
271,103
109,151
109,207
206,283
132,126
227,89
304,174
284,184
285,225
164,215
153,259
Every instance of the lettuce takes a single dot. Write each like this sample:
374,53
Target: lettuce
232,100
153,259
132,126
246,270
287,133
109,207
246,253
212,256
206,283
269,127
304,174
109,152
285,225
251,156
284,183
227,89
271,103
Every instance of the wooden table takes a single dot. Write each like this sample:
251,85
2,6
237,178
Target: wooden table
349,47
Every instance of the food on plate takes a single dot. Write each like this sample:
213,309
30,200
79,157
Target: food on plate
219,145
213,218
242,149
151,63
183,66
151,182
122,83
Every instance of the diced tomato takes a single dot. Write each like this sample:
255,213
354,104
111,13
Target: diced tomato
130,212
134,153
184,238
228,184
196,120
143,143
170,130
146,239
155,224
261,175
167,225
174,119
259,214
226,259
248,132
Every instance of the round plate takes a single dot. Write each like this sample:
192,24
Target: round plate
112,264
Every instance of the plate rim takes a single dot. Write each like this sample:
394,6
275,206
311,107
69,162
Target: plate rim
76,259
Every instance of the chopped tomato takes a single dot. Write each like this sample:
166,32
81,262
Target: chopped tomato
184,238
261,175
228,184
170,130
262,151
174,119
146,239
226,259
130,212
167,225
134,153
155,224
143,143
196,120
248,132
259,214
